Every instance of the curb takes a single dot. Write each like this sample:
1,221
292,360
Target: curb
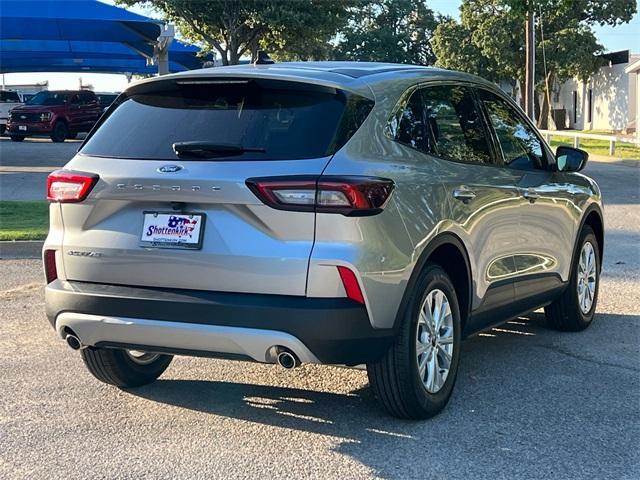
21,249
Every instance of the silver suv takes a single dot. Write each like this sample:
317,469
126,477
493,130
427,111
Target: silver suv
333,212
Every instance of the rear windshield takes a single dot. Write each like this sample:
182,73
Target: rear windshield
274,120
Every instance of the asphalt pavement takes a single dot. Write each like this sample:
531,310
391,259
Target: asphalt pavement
529,402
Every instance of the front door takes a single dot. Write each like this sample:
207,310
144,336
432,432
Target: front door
483,198
546,212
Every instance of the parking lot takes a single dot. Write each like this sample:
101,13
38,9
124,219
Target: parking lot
529,402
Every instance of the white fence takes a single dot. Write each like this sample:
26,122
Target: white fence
612,139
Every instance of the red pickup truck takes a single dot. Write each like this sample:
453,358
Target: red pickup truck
59,114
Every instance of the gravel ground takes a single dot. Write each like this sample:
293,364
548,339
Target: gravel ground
529,402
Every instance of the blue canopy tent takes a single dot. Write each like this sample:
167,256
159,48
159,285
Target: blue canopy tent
77,56
86,36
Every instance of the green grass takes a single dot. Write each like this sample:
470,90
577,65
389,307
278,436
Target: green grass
23,220
599,147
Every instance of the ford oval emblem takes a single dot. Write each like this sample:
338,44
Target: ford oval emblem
169,168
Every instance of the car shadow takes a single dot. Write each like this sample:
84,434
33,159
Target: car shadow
518,383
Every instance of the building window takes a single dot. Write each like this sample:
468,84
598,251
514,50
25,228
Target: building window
590,105
575,107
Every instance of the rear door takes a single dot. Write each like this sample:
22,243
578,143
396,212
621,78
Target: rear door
245,246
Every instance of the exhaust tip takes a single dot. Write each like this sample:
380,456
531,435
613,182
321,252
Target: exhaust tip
287,360
73,342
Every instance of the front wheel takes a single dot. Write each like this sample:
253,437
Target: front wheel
124,368
59,132
17,138
416,376
575,308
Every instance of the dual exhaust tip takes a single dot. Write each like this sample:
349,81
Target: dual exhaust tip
74,342
285,357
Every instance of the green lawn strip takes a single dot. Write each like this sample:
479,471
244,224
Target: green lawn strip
24,220
599,147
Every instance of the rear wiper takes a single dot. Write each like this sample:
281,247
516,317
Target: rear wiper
209,150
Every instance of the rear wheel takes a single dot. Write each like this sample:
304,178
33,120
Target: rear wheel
575,308
59,132
416,376
17,138
124,368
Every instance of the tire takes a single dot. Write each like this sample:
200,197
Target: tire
60,132
120,368
17,138
395,379
566,312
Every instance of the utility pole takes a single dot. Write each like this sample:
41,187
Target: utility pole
161,48
530,62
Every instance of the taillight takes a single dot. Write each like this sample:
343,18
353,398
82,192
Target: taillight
50,270
67,186
351,285
353,196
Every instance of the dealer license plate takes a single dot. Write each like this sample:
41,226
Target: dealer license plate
172,230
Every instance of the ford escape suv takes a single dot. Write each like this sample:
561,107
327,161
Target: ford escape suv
332,212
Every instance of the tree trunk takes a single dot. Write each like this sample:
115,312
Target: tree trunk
522,87
545,109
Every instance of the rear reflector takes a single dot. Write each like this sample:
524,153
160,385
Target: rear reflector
50,270
67,186
352,196
351,285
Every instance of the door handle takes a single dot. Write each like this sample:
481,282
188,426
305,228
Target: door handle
531,195
463,194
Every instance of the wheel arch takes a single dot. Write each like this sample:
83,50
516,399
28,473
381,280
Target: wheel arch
448,251
593,218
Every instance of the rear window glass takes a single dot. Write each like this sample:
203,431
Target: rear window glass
276,120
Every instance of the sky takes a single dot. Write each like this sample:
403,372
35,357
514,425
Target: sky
621,37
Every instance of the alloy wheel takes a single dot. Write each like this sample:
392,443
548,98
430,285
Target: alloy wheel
434,340
142,358
587,277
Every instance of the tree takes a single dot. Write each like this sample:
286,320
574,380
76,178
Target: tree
297,30
389,31
494,30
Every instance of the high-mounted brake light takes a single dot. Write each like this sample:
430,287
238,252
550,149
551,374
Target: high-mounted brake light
67,186
352,196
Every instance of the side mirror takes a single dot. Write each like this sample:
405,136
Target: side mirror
569,159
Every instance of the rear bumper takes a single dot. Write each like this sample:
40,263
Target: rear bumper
318,330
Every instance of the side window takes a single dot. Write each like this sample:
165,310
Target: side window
9,97
75,99
86,98
521,147
408,125
455,130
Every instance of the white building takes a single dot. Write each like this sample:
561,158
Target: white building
606,101
633,70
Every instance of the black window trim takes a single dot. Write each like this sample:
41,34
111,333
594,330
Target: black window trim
547,155
408,93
